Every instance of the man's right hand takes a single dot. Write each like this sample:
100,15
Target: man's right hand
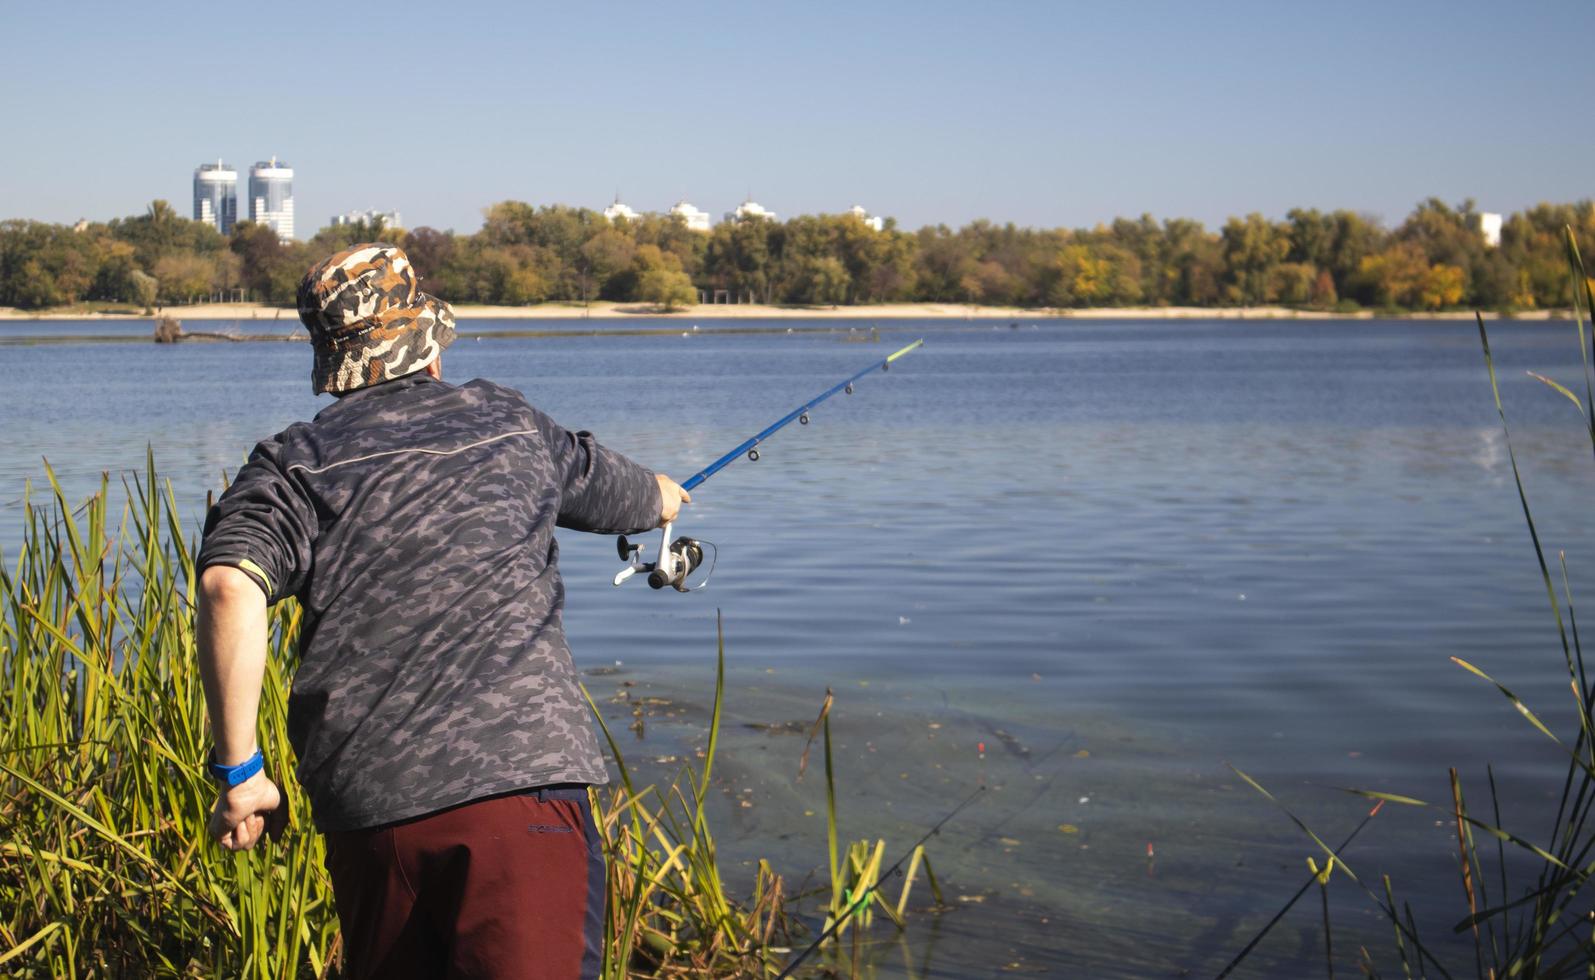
246,812
671,497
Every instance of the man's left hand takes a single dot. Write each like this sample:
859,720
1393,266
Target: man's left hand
245,812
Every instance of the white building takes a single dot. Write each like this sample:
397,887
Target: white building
1490,228
750,209
695,219
271,197
874,221
370,216
216,195
619,210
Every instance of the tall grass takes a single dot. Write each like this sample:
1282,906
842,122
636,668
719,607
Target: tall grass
105,866
1542,924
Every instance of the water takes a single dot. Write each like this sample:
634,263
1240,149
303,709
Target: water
1118,554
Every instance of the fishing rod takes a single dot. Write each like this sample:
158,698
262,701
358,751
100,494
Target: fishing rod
879,880
678,559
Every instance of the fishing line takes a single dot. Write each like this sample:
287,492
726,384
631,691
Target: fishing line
678,559
891,871
1294,899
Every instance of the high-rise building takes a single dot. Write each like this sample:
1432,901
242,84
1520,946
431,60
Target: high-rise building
216,195
271,196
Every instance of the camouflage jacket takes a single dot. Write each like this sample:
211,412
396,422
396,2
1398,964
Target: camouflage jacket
414,522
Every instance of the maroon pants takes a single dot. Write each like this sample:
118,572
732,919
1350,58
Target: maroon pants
508,888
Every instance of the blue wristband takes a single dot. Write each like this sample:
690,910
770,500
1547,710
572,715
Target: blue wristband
231,776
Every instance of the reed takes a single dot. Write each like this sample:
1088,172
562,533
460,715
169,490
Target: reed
105,867
1540,924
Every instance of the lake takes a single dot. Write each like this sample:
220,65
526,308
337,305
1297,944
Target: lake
1119,555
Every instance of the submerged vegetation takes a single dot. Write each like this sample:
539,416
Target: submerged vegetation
1530,906
1436,258
105,866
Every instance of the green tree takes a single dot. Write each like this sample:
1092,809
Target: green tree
605,257
46,265
1394,277
1293,283
161,231
432,255
1253,249
666,288
267,267
1097,275
824,281
946,263
737,258
508,276
1194,267
117,268
143,290
336,238
184,278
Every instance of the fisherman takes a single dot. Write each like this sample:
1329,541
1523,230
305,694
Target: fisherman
441,734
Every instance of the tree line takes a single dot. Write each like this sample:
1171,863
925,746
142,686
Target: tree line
1436,259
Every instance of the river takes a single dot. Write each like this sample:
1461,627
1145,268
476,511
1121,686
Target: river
1118,555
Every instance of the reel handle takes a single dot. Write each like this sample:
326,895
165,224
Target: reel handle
677,561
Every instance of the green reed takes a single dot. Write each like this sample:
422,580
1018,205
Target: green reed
105,866
1532,926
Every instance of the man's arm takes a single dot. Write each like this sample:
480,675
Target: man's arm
232,663
602,491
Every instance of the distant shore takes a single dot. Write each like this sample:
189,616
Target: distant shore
753,311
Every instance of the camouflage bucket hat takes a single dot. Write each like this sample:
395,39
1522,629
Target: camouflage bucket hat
367,320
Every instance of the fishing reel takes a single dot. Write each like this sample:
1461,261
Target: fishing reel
684,564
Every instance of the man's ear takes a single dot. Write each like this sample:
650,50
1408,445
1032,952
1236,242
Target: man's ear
435,369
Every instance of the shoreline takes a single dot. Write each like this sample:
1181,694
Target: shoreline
752,311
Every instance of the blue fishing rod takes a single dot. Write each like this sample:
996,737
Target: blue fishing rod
678,559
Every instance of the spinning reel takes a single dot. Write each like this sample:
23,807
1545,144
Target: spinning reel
678,564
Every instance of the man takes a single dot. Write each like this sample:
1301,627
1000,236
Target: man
441,735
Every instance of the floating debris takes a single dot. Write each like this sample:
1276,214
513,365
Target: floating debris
168,330
1009,742
778,727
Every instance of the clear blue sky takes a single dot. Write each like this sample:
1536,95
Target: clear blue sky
1044,113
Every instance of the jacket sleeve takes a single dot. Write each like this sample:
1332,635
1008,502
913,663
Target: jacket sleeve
600,490
263,525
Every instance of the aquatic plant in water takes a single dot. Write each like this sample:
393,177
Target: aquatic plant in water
1543,926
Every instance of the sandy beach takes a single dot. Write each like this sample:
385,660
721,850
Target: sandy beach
752,311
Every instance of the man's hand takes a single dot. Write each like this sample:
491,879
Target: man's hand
246,811
671,497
